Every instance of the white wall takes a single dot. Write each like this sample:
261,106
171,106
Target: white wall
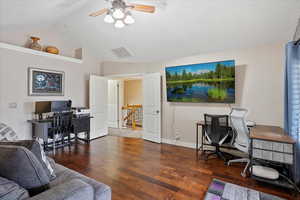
259,87
133,92
13,85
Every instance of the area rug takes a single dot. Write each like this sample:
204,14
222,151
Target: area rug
220,190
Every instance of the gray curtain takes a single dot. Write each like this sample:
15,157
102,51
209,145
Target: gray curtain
292,99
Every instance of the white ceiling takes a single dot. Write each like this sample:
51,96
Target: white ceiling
179,27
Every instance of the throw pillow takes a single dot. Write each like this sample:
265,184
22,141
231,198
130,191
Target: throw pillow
7,133
20,165
47,163
35,147
10,190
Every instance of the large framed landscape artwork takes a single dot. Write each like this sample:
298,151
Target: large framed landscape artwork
43,82
207,82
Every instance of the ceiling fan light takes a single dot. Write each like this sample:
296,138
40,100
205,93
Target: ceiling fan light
118,13
119,24
109,19
129,19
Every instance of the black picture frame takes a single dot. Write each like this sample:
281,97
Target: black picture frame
43,82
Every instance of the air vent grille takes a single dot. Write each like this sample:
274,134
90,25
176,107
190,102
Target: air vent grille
121,52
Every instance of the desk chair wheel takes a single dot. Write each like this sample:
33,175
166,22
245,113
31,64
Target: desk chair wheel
244,174
205,157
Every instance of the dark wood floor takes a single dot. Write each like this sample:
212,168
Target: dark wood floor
137,169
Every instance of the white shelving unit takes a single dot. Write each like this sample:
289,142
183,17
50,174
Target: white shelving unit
38,53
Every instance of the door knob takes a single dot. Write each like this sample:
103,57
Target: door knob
157,112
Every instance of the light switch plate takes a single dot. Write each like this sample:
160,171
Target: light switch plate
13,105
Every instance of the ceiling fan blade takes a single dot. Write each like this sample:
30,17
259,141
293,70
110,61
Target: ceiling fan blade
99,12
143,8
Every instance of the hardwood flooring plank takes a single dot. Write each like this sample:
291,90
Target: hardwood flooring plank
141,170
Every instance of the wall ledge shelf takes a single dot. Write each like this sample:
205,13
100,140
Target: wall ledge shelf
39,53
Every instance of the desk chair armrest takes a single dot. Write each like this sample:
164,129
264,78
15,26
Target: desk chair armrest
234,135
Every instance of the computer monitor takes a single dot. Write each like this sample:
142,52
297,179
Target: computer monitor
60,106
42,107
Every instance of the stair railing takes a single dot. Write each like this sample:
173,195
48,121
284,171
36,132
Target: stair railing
133,116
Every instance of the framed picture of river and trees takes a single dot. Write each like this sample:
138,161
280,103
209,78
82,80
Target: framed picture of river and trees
207,82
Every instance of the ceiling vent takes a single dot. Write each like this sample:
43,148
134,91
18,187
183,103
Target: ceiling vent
121,52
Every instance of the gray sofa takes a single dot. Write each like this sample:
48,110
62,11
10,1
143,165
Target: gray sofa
70,185
24,171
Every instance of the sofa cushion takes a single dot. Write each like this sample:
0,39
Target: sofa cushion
74,189
10,190
35,147
63,175
20,165
7,133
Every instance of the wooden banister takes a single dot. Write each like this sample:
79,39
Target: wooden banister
131,113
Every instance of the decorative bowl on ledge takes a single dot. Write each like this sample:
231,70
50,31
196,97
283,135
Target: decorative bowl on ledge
52,49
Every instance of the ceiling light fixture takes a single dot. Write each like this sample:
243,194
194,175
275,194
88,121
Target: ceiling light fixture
119,24
129,19
118,13
109,19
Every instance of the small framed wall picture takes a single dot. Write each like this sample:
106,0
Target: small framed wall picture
43,82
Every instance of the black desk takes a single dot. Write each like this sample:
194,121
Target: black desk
82,124
40,128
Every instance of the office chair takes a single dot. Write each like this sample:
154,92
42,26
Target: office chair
216,132
241,138
61,128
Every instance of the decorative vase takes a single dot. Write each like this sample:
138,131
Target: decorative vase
35,45
51,49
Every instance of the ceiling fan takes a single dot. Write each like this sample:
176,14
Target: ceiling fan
119,12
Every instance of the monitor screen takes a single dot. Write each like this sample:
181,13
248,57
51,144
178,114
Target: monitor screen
59,106
42,107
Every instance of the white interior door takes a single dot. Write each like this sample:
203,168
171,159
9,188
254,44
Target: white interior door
113,115
121,102
98,106
152,107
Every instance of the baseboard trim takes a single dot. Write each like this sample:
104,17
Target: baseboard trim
179,143
193,146
98,137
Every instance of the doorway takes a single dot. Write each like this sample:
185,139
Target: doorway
126,104
129,99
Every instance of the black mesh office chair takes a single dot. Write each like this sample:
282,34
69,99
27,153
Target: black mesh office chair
61,128
216,131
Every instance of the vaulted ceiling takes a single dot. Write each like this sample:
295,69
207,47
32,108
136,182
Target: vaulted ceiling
179,27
